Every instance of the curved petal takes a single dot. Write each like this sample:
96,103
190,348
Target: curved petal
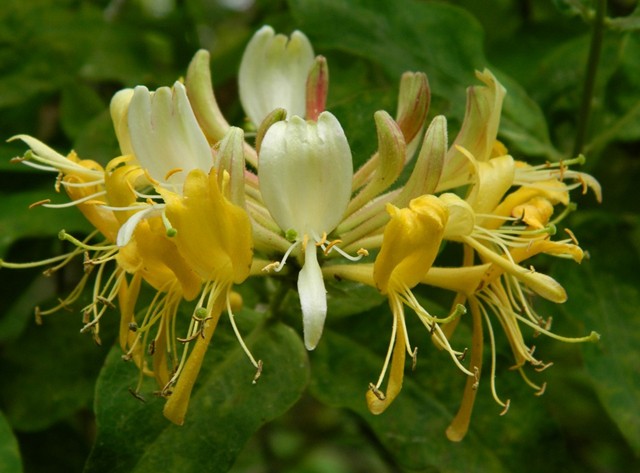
313,297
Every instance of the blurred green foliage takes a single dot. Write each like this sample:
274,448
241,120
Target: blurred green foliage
60,63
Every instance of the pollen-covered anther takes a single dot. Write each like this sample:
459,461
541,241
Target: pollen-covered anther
171,172
572,236
330,246
323,240
362,252
476,376
271,267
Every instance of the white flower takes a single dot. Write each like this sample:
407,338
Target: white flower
165,136
305,172
273,74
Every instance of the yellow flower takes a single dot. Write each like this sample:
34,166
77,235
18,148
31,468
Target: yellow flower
214,237
409,247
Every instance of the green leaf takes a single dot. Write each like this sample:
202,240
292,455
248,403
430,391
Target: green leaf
9,454
413,427
225,408
18,221
604,297
48,373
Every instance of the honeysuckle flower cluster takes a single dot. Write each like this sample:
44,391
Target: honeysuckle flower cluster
193,207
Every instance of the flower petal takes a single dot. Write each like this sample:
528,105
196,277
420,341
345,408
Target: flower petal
313,297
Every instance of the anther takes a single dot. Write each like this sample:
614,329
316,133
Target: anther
542,389
506,407
572,236
476,375
133,326
171,172
271,266
137,395
463,355
152,347
258,372
106,302
377,393
331,244
17,159
414,359
544,367
40,202
38,315
362,252
323,240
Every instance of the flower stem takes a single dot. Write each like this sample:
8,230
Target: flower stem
590,76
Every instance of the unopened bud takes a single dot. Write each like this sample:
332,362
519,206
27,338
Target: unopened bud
317,88
413,104
202,99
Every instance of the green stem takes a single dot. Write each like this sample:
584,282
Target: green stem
590,76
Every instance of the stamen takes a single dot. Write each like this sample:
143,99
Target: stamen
277,266
63,235
73,203
323,240
256,364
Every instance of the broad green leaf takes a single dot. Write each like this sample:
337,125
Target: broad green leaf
604,297
48,373
80,103
9,454
439,39
225,408
412,429
18,221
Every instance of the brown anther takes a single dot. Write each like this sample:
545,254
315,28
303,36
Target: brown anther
133,326
258,372
171,172
17,159
377,393
126,357
48,272
137,395
38,315
414,359
106,302
152,347
463,355
506,407
542,389
572,236
86,317
331,245
432,329
40,202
